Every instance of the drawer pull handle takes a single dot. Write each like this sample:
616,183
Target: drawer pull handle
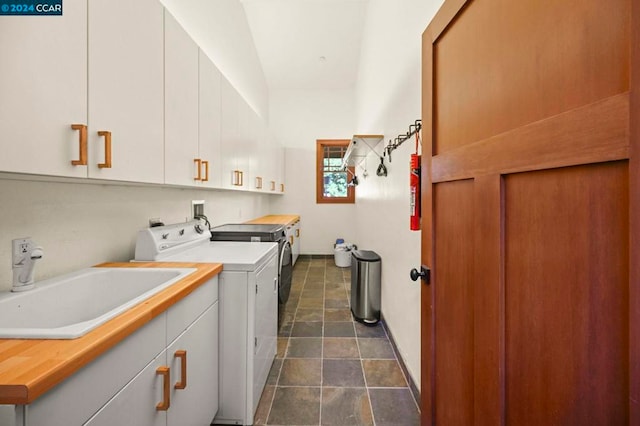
166,401
291,239
206,171
198,163
297,233
182,354
258,182
82,140
273,185
282,187
107,149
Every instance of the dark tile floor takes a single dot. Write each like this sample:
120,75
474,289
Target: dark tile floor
330,369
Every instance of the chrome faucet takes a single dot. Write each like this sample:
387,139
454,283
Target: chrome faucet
25,255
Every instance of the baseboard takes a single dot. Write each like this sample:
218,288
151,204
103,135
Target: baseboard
414,389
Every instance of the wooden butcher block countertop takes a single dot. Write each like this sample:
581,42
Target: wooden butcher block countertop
278,219
31,367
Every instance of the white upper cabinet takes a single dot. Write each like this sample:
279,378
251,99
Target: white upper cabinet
258,161
210,118
43,91
116,90
243,146
182,162
126,90
229,176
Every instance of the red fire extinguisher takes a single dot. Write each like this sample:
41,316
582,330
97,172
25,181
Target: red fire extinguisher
414,184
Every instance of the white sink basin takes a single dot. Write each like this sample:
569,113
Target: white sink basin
70,306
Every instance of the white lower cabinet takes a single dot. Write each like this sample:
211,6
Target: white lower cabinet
137,403
125,385
197,403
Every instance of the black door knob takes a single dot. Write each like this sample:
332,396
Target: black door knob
424,273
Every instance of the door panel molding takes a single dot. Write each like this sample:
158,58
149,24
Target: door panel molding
595,133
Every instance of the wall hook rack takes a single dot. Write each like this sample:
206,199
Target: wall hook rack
392,146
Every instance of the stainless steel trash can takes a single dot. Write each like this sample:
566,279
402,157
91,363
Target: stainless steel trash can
365,286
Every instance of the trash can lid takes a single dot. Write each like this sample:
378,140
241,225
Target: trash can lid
366,255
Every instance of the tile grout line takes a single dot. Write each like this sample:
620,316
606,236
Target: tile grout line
286,349
364,376
324,289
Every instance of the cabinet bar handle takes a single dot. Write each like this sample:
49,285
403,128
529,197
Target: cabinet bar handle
297,233
182,354
273,185
241,178
107,149
166,401
236,178
258,182
291,240
282,187
206,171
199,168
82,139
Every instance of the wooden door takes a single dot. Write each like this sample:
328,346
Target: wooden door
530,213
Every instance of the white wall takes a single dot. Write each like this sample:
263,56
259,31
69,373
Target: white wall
298,118
79,225
222,31
388,99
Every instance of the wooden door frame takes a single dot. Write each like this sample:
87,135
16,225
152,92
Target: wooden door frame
634,215
625,146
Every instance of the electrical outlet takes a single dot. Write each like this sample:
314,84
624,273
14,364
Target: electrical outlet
20,247
197,208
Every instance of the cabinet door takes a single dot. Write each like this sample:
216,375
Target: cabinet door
254,150
43,87
280,167
126,89
270,171
242,147
209,111
180,105
229,134
197,403
136,403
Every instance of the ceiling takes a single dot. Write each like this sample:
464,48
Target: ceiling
307,44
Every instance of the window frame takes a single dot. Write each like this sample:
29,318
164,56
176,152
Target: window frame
351,190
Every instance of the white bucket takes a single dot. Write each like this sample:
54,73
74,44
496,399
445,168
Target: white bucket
342,255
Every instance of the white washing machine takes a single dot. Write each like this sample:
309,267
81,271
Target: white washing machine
248,299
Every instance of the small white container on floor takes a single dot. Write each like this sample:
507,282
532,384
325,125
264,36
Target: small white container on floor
342,255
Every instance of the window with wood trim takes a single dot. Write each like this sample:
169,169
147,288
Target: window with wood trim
332,182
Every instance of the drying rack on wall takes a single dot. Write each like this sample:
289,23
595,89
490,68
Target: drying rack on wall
392,146
359,148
